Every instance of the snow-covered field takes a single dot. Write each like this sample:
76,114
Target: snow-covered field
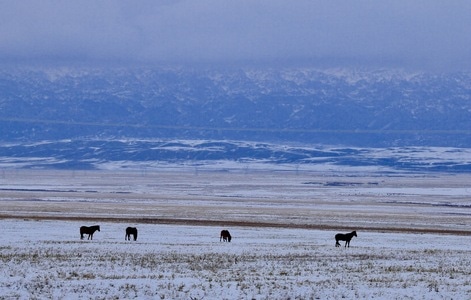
414,238
47,260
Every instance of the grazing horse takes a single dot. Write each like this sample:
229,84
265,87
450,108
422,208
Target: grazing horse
129,231
88,230
225,236
344,237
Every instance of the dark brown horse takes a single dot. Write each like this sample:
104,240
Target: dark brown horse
344,237
88,230
131,231
225,236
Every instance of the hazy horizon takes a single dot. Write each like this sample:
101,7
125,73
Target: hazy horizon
423,35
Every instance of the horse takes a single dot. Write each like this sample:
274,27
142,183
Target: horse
225,236
344,237
129,231
88,230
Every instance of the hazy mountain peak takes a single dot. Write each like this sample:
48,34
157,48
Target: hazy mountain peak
333,106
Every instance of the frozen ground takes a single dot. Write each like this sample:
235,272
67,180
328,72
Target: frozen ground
318,200
47,260
414,237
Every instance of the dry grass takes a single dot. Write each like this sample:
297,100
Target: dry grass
281,261
375,202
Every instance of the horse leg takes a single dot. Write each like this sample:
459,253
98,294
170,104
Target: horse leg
337,244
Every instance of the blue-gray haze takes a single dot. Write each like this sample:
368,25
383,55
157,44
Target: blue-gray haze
419,34
90,75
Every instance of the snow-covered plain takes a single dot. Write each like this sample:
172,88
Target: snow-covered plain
47,260
413,241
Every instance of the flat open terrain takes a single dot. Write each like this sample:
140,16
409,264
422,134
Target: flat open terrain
379,202
414,235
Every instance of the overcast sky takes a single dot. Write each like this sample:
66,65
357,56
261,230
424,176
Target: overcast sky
418,34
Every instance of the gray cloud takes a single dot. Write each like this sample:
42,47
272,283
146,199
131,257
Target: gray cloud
433,34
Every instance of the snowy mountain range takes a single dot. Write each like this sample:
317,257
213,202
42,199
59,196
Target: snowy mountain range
142,155
386,108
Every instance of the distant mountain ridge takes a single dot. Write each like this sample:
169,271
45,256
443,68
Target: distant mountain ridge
338,106
157,155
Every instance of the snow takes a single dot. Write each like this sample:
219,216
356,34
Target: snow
42,256
125,154
46,259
